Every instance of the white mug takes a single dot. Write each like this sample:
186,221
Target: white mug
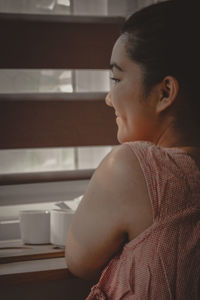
59,223
35,226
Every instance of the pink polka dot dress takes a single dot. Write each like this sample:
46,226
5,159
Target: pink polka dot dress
163,262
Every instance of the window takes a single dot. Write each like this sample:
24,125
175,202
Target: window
36,6
39,81
44,196
71,7
52,81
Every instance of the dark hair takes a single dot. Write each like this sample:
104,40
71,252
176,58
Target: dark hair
163,38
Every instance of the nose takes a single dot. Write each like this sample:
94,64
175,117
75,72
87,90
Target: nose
108,100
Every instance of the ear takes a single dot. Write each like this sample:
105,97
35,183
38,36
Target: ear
169,88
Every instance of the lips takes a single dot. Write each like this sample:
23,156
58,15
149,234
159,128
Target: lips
117,117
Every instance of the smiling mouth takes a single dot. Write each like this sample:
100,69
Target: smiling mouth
117,117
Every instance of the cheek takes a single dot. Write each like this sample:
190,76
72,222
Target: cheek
125,97
117,93
121,98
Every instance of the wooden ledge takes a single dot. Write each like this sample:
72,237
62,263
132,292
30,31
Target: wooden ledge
37,276
27,263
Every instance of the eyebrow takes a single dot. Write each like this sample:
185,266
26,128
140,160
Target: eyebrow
114,65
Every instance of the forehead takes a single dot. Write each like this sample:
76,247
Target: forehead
119,53
120,58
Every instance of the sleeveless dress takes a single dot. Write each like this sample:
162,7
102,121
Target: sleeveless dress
163,262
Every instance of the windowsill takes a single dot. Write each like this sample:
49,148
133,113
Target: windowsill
31,263
43,278
34,271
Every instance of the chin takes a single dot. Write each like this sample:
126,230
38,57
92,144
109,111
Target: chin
120,138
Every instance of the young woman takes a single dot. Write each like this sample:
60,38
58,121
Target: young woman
137,229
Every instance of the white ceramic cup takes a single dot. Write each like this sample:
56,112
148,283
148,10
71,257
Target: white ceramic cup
59,223
35,226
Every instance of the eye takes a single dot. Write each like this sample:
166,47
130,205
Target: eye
114,80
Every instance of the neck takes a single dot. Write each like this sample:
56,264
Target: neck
170,137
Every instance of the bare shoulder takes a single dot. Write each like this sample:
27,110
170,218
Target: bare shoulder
122,170
121,180
123,161
115,206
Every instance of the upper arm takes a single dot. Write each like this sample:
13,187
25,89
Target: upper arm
101,223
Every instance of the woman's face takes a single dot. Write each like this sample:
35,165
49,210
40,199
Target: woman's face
135,113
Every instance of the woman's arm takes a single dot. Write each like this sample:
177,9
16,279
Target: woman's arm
103,220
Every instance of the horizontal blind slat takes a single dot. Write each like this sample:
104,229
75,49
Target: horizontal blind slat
51,120
57,42
40,177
